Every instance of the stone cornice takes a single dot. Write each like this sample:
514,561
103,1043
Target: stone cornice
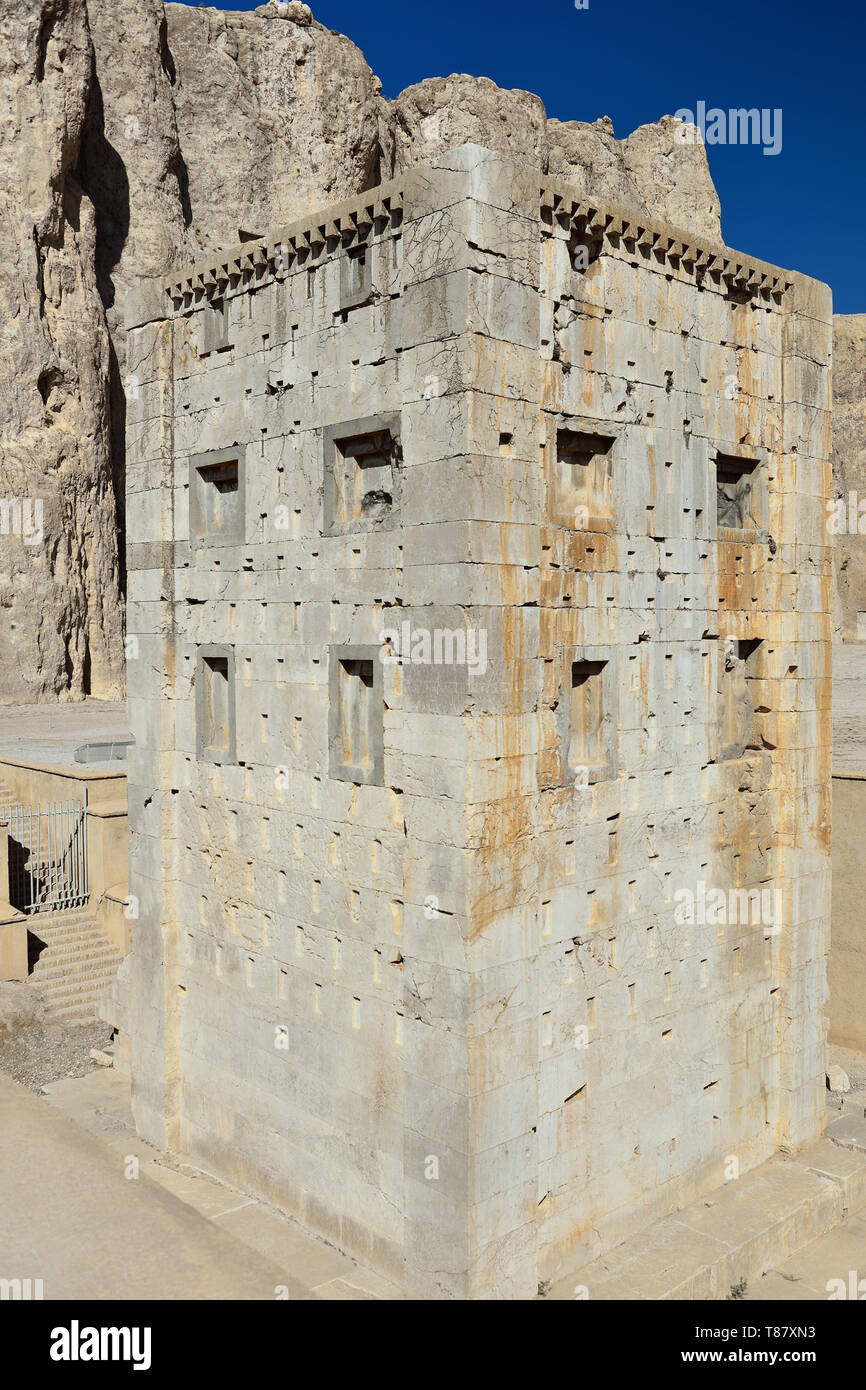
303,242
622,228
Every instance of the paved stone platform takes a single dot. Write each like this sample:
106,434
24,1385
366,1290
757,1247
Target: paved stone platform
72,1218
807,1274
784,1230
52,733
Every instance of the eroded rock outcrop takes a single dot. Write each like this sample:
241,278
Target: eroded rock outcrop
140,135
649,171
60,592
275,117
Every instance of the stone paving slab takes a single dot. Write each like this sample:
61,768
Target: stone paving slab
849,1131
778,1287
808,1273
175,1232
71,1219
846,1166
52,733
811,1203
178,1232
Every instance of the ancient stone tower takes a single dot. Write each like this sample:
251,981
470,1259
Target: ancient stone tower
479,652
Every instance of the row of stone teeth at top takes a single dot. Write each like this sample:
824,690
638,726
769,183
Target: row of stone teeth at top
322,238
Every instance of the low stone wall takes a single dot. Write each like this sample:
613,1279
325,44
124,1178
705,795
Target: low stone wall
847,960
116,918
34,784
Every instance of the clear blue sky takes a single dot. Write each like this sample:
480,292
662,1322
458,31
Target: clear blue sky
635,60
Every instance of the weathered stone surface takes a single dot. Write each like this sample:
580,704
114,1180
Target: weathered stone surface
441,113
59,591
143,134
837,1079
20,1006
849,475
649,171
274,116
430,953
672,179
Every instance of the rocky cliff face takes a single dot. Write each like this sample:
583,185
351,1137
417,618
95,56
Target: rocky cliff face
142,134
649,171
59,582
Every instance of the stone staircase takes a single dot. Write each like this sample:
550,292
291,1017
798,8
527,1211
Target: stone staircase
741,1232
75,966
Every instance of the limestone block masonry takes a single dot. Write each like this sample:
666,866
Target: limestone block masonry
479,596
